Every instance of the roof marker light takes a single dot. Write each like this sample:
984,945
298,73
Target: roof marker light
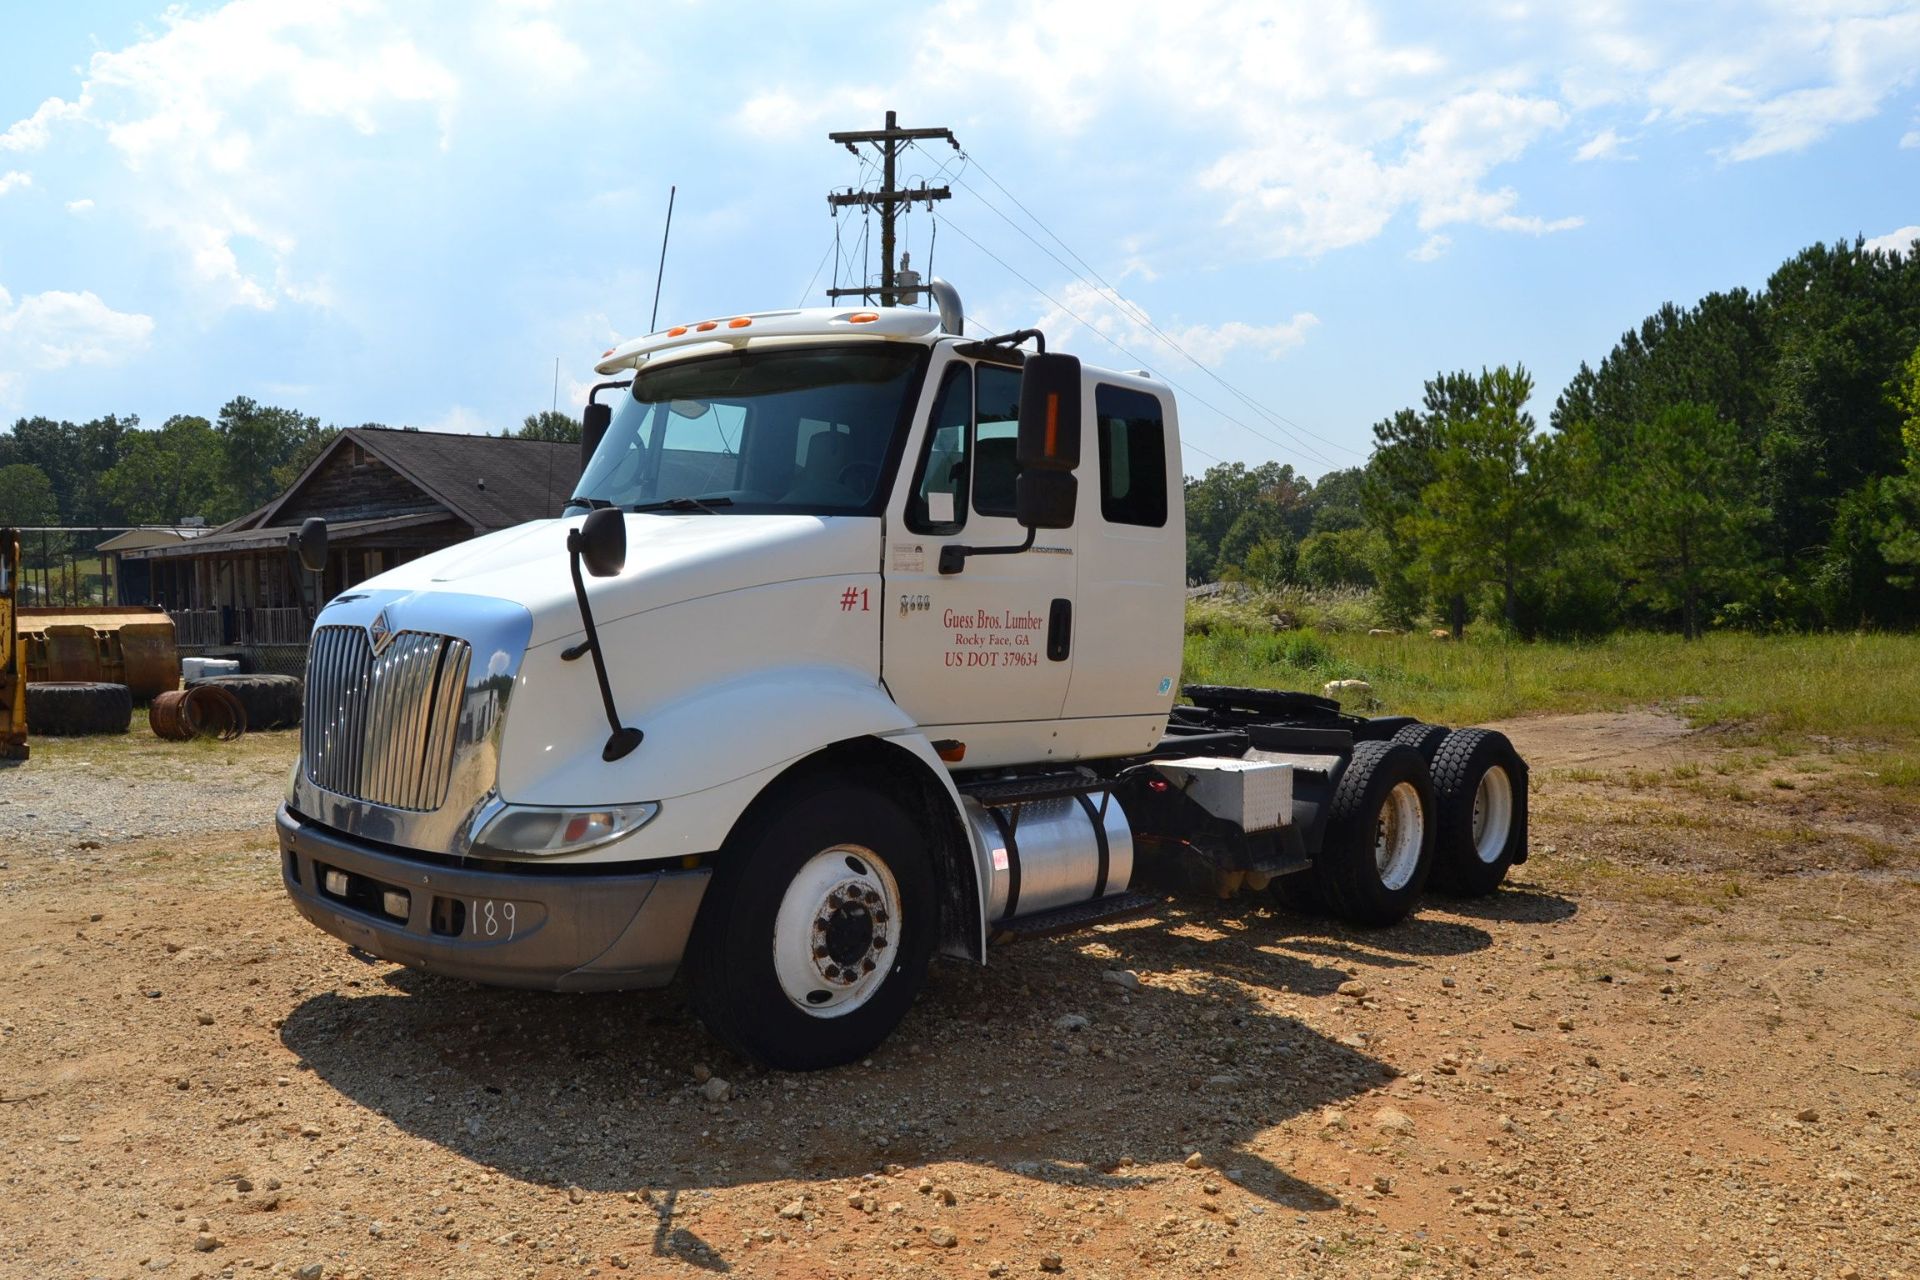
739,322
706,326
864,317
676,331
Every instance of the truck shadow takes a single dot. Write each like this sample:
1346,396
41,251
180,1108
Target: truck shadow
1041,1065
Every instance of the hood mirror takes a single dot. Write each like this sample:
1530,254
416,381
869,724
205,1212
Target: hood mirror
601,542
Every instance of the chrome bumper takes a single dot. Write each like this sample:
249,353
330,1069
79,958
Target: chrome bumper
506,929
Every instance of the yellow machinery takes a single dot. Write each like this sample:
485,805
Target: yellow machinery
13,658
124,644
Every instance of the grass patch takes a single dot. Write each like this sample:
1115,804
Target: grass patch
1785,690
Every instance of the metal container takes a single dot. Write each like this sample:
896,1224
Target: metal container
1053,853
128,645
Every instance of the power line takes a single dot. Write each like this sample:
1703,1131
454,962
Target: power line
1279,420
1091,328
832,244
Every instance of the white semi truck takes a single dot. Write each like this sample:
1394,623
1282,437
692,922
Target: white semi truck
876,654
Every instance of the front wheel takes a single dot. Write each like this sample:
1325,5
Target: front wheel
815,934
1378,849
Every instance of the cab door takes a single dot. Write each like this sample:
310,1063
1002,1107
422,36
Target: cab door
990,645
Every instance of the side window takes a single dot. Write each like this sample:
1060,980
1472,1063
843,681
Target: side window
939,501
1133,457
995,435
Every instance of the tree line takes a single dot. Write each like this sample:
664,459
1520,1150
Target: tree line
111,472
1750,461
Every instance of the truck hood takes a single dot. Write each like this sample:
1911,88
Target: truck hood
670,558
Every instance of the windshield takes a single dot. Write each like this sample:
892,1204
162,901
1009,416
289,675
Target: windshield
809,429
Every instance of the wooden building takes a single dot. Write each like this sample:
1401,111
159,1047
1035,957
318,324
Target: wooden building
387,496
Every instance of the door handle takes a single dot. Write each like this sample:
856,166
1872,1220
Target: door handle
1060,630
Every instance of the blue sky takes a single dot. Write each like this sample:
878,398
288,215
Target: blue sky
404,212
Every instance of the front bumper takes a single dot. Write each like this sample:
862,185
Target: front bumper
508,929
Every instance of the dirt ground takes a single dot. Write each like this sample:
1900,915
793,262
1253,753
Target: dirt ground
1684,1041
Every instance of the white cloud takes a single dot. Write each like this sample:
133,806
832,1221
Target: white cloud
13,179
1789,75
1314,127
218,117
1430,248
1604,145
1910,140
82,205
1898,243
56,329
461,420
32,133
1129,327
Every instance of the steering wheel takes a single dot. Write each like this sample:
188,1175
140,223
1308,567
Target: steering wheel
871,469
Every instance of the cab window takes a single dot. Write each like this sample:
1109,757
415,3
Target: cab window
996,433
939,500
1133,457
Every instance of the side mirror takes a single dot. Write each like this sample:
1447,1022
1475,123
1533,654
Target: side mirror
1045,499
313,544
1049,413
601,542
594,421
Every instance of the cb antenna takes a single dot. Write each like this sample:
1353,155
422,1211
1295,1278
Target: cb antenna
654,321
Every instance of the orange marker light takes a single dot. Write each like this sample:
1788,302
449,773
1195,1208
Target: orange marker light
865,317
676,331
604,354
738,322
1053,425
706,326
950,751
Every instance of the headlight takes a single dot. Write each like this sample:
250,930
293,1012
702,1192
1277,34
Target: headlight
535,829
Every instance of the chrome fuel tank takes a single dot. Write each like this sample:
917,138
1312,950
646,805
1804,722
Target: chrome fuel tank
1053,853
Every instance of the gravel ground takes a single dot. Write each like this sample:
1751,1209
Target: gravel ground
1626,1063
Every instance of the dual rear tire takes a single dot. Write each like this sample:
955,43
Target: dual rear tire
1481,784
1377,851
1431,807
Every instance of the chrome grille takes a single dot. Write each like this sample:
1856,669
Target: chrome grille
382,729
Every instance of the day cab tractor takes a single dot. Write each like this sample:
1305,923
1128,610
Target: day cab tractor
859,641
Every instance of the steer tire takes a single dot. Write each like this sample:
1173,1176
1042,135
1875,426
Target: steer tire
1424,738
759,979
271,702
1481,785
70,708
1384,799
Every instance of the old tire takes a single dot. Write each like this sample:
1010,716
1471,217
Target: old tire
271,702
69,708
1480,783
814,936
1379,844
1424,738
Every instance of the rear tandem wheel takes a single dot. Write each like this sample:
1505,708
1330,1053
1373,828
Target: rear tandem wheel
1378,850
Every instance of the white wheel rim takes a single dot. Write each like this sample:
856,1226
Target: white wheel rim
1492,814
1400,830
836,932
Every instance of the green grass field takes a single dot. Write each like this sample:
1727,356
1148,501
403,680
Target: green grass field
1861,689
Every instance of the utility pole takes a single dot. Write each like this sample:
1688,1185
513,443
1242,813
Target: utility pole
887,200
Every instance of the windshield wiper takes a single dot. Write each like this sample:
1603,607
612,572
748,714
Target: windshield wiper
683,504
591,504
